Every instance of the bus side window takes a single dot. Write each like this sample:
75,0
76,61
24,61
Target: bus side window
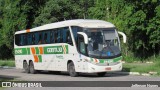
64,35
33,38
59,35
20,43
55,36
40,38
36,38
48,37
23,40
17,39
52,36
76,29
29,38
69,39
45,38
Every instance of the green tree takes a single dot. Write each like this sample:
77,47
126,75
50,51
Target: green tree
60,10
14,16
12,20
138,19
153,31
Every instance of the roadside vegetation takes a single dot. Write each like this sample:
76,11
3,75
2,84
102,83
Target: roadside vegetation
10,63
143,67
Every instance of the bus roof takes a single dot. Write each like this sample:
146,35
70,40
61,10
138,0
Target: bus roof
77,22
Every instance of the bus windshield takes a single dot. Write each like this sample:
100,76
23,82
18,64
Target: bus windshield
103,42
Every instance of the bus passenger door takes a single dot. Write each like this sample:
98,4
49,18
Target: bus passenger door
81,46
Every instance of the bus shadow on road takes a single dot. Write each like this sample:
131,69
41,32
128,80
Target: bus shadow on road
81,74
107,75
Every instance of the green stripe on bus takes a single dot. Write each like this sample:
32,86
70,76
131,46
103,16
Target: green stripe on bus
55,50
28,50
66,49
117,59
101,61
107,60
20,51
40,58
92,59
47,50
37,50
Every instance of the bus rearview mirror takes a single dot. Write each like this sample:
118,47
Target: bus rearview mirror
124,36
85,37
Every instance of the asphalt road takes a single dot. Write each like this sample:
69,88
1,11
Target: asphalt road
17,74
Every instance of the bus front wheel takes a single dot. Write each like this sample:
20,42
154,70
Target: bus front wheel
71,70
31,68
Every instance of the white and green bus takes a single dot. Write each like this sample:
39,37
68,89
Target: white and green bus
87,46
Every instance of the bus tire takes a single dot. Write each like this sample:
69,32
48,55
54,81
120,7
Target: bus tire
31,68
71,70
101,74
25,67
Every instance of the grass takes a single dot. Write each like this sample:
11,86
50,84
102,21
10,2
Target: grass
9,62
135,64
142,67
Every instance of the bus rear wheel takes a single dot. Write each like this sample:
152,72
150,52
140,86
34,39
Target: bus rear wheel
101,74
31,68
25,67
71,70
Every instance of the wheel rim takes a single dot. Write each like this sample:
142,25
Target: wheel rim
72,70
31,67
25,66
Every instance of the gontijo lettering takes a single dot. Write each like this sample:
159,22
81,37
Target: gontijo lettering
18,51
54,49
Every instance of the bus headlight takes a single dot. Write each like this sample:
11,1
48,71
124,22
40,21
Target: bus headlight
86,60
92,60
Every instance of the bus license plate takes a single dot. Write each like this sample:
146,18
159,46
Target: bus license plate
108,68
